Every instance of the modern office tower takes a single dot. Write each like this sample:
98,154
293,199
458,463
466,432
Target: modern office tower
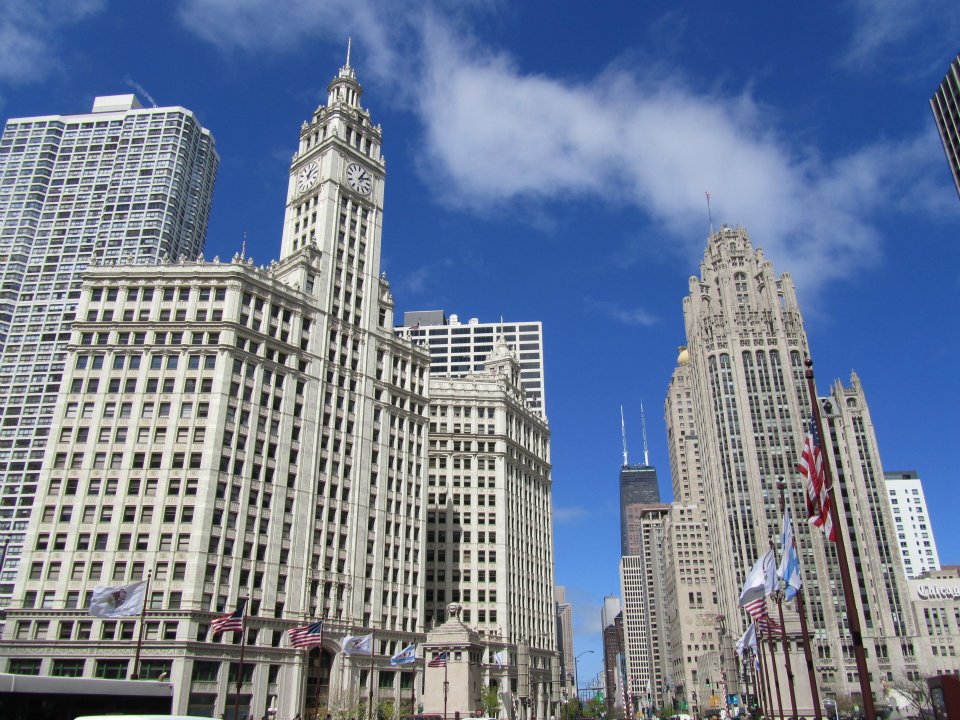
642,589
489,531
565,640
457,349
638,488
918,549
120,181
945,104
247,433
611,622
746,347
690,598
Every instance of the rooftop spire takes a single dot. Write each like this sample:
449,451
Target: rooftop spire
349,43
643,425
623,434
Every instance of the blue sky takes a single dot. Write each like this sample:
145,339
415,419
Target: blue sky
548,161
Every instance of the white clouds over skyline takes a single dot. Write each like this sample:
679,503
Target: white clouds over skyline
499,135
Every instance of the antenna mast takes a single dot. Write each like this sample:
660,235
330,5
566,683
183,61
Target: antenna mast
643,425
623,434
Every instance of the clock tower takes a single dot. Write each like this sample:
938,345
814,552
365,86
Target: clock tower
335,193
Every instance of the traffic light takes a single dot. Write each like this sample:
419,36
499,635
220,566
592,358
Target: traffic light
708,683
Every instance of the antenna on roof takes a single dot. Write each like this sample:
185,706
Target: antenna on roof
643,425
709,214
349,42
623,434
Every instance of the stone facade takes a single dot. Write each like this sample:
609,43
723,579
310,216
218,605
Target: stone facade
122,181
245,433
489,528
745,348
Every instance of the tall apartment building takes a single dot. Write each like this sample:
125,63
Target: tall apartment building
565,640
690,597
489,531
247,433
945,104
918,548
457,349
642,589
746,348
638,488
120,181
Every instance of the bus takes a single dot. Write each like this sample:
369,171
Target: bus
43,697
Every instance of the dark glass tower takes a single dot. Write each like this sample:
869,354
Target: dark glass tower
638,487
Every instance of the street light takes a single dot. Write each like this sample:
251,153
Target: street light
576,672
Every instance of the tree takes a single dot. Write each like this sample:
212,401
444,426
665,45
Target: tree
594,707
907,697
490,701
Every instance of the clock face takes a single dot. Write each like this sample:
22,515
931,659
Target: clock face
359,179
308,177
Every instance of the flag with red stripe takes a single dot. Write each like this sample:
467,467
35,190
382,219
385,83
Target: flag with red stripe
811,467
306,636
233,621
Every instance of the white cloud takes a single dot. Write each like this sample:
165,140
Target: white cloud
919,32
499,135
569,514
634,316
380,28
29,33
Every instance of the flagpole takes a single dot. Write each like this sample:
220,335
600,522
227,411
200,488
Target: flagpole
316,694
776,672
764,677
802,612
243,644
370,679
778,599
135,675
746,683
413,686
853,615
445,686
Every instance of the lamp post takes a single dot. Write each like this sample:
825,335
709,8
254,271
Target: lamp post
576,672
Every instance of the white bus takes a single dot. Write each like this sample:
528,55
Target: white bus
43,697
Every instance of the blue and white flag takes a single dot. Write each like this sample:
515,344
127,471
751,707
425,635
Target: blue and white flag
406,656
789,569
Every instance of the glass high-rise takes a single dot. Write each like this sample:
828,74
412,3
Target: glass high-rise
122,181
945,104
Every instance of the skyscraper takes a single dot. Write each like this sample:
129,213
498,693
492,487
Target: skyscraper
120,181
253,434
457,348
746,349
638,488
489,543
918,548
945,104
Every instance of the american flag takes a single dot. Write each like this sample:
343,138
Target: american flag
307,636
767,625
818,494
233,621
757,609
440,660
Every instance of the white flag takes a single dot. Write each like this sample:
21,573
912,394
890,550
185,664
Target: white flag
498,659
119,601
358,644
